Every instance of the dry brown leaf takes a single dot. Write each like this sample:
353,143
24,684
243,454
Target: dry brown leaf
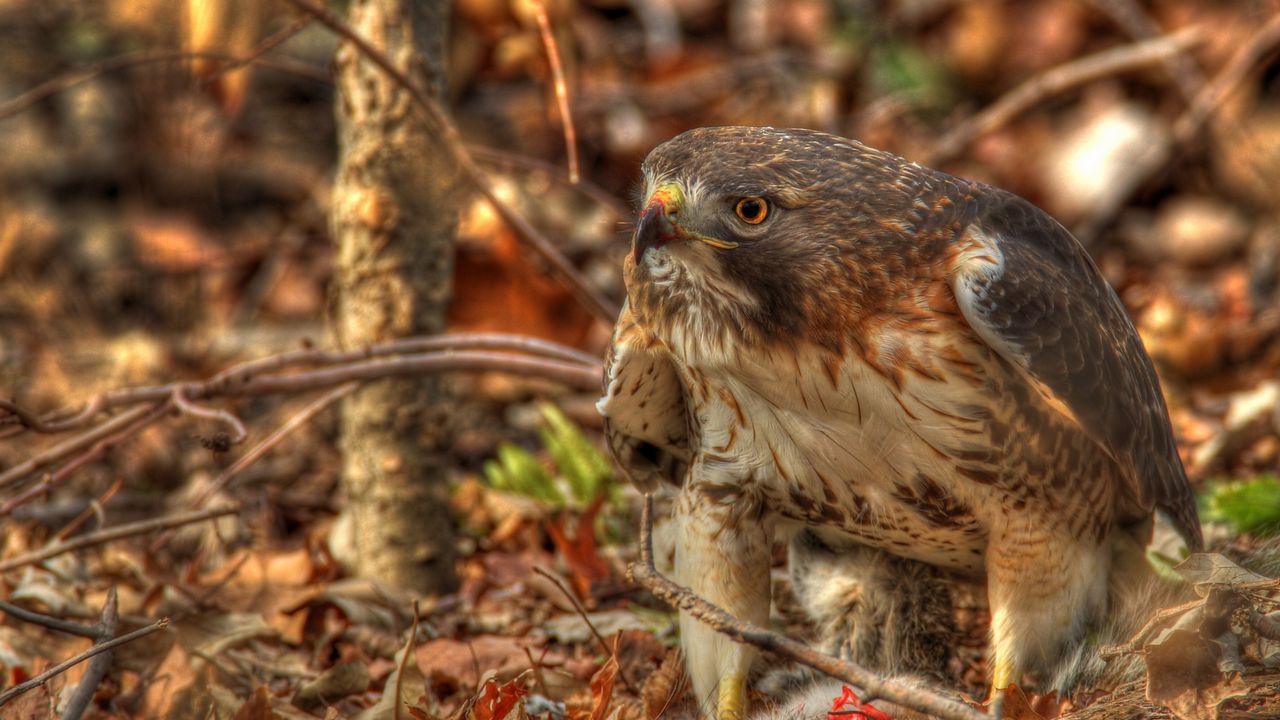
1017,706
1205,703
602,688
1204,570
497,701
258,707
456,661
580,552
666,687
174,675
35,703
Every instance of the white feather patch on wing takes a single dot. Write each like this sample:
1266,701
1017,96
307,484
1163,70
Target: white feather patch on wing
977,268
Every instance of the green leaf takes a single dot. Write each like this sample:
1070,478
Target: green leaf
522,473
584,468
1250,507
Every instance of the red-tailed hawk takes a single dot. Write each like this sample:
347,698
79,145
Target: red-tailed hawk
823,339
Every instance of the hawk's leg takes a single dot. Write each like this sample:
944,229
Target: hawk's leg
725,559
886,613
1043,588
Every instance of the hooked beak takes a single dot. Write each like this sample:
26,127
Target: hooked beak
658,223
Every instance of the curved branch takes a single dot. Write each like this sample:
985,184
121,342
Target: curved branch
67,419
1126,58
536,358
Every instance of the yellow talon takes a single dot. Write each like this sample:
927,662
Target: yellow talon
732,703
1002,674
1002,677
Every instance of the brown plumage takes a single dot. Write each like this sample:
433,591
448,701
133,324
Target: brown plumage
823,337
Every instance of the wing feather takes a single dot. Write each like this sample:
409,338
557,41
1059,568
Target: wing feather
645,417
1044,307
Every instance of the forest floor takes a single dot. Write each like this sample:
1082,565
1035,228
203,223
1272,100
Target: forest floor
160,223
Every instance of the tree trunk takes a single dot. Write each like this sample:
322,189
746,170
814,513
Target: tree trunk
394,219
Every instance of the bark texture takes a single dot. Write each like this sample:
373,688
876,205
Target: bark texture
394,219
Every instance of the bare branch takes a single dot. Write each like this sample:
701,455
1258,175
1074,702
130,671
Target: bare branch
267,45
586,187
1126,58
94,509
1135,21
75,444
74,418
66,665
916,697
113,533
99,665
536,358
1192,121
184,405
48,621
572,374
451,139
56,478
257,451
560,85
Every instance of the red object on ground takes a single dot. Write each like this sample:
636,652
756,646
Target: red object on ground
848,705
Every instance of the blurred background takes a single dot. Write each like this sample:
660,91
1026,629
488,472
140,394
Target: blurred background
165,214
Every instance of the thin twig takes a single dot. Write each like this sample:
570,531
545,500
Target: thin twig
74,418
182,403
571,374
95,508
538,358
1135,21
602,197
56,478
1135,643
582,613
1125,58
257,451
74,444
25,417
66,665
451,140
116,532
48,621
916,698
99,665
560,85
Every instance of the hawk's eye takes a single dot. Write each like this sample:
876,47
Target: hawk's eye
752,210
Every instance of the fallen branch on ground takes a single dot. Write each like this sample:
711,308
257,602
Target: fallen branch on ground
290,372
66,665
115,532
99,665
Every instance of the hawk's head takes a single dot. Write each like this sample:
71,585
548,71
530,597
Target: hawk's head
762,230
